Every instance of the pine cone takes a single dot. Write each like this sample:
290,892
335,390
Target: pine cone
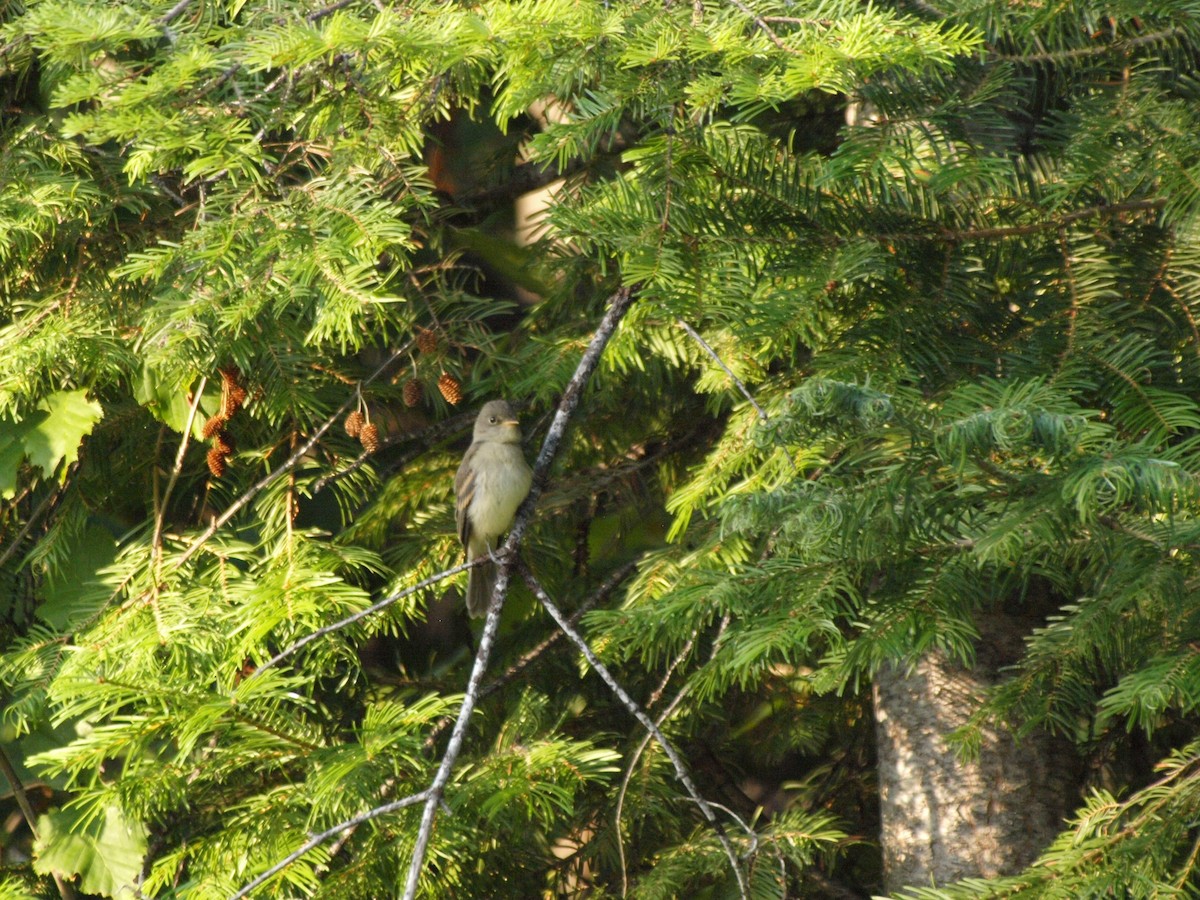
233,395
216,462
212,426
369,437
450,388
412,392
234,399
427,340
224,443
354,423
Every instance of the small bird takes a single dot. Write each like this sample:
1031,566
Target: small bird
491,483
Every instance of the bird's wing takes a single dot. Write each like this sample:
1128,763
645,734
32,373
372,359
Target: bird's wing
464,491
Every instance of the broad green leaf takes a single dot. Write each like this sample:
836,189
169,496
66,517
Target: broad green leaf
56,438
107,854
13,436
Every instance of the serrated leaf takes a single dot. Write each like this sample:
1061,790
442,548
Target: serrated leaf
105,853
56,438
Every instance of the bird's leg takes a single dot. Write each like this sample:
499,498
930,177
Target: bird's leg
492,553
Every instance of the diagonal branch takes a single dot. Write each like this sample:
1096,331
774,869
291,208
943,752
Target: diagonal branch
707,348
618,306
630,704
317,839
365,613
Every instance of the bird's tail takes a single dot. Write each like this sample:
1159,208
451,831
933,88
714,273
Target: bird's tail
480,581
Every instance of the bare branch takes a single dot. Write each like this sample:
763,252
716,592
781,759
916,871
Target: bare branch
364,613
173,13
618,306
156,541
317,839
695,335
763,26
641,748
597,596
636,711
329,10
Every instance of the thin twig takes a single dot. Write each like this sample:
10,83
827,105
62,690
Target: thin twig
156,542
427,436
597,596
636,711
695,335
317,839
763,26
286,465
618,306
37,513
65,888
173,13
646,738
317,15
364,613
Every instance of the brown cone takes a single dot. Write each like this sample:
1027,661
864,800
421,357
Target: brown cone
216,462
427,340
369,436
450,388
212,426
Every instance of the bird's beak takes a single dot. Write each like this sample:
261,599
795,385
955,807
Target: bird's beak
510,422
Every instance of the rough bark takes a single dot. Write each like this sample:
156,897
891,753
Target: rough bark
944,819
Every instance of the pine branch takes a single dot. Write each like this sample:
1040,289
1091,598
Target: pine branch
618,306
636,711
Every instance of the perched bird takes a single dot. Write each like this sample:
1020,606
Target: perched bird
491,483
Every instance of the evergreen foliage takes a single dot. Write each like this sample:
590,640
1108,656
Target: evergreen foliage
966,312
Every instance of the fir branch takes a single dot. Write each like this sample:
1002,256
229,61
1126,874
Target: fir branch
318,839
1153,37
46,503
618,306
636,711
1102,210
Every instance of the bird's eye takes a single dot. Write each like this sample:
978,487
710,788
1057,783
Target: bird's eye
492,420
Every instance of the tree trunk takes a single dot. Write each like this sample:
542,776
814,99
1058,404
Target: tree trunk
943,819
